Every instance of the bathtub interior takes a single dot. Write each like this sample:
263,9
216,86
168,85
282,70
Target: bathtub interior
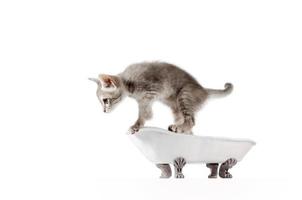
162,146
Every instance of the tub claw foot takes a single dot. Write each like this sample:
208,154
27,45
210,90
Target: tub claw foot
214,169
165,170
179,176
224,167
179,163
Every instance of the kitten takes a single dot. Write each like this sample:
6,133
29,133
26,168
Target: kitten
156,81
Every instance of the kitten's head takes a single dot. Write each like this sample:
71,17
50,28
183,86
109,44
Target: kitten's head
109,91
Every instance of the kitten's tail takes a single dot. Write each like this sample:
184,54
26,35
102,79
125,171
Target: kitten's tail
228,88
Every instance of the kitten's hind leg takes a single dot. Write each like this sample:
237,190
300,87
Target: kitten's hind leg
182,124
214,169
179,163
224,167
185,128
189,100
178,117
165,170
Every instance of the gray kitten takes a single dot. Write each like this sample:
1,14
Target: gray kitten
150,81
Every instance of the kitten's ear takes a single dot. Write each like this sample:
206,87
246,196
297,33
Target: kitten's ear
97,81
109,82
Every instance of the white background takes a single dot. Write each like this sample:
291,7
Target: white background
55,141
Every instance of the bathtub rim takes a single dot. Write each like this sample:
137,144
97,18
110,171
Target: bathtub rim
157,130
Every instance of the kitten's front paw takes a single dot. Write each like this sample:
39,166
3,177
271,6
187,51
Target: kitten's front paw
133,129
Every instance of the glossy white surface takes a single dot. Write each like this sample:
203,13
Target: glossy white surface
162,146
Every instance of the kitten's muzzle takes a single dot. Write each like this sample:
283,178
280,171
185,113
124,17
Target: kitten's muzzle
106,110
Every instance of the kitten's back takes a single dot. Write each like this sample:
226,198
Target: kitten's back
164,74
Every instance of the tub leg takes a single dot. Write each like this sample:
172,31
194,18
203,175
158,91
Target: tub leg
165,170
214,169
224,167
179,163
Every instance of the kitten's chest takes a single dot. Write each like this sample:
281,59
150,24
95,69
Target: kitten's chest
140,97
135,95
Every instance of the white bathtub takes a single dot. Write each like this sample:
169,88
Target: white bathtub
162,146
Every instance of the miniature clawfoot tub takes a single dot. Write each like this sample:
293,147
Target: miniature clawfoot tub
163,147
